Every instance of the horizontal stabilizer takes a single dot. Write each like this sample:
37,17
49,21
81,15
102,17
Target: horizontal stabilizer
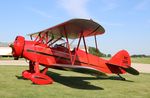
131,71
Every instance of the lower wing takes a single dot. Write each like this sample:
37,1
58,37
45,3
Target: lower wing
80,69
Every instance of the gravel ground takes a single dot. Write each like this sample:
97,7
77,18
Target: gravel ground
143,68
14,62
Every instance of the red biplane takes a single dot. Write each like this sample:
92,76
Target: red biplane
47,50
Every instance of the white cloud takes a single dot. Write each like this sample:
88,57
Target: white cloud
76,8
142,5
39,12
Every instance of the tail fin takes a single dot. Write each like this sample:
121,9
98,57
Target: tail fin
122,60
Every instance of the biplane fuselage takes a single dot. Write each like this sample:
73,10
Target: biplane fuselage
58,56
42,51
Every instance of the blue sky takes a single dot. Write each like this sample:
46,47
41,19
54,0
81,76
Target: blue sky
127,23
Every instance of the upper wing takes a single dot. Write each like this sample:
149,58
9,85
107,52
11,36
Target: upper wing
73,28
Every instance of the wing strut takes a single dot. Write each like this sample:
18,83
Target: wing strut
79,40
85,45
55,41
86,49
96,42
68,46
77,48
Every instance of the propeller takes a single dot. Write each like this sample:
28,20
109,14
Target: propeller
17,47
12,47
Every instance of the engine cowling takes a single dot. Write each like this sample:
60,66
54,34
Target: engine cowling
18,46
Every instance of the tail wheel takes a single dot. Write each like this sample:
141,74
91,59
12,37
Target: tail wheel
26,74
41,79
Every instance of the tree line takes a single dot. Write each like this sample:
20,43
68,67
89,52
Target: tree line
94,51
140,55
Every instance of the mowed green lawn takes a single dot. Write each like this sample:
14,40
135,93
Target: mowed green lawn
72,85
144,60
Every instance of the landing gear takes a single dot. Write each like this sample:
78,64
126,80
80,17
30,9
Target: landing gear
121,78
41,79
26,74
35,75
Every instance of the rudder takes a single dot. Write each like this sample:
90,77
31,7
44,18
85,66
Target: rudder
121,59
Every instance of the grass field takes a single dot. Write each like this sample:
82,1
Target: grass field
144,60
72,85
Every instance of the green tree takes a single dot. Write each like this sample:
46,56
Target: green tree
109,55
96,52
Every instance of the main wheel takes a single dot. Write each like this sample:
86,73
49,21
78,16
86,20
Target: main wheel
26,74
41,79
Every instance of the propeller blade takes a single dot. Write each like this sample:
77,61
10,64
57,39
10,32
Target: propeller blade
12,47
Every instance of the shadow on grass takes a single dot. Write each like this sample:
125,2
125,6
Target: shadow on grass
113,78
74,82
79,82
70,81
20,77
